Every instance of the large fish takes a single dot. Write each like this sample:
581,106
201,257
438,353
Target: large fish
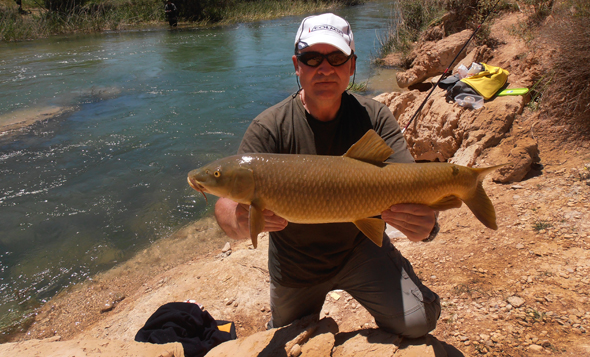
354,187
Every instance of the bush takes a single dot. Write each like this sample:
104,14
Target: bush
63,6
407,21
67,16
410,18
568,94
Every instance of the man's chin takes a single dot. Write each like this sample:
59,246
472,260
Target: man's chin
328,90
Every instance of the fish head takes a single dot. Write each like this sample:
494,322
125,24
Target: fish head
230,177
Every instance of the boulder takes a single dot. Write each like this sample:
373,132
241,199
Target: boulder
90,348
432,58
370,342
308,338
444,131
519,161
304,337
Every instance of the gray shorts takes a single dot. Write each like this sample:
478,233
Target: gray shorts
380,279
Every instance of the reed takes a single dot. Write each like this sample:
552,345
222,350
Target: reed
43,18
358,87
407,21
269,9
14,26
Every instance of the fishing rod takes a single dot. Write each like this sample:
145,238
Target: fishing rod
450,65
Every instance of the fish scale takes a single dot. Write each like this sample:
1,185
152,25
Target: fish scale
352,188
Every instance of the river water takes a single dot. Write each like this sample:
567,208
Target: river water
86,190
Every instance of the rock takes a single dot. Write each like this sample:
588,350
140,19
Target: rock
448,132
432,58
295,351
226,248
90,348
308,338
311,336
521,157
535,348
320,345
478,54
515,301
357,343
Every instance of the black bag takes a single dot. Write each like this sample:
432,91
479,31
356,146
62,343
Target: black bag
458,88
185,323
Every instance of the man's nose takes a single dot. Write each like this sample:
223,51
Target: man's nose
325,67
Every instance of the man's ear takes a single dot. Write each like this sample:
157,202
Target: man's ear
294,58
353,65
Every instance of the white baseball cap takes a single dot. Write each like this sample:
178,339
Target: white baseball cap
325,28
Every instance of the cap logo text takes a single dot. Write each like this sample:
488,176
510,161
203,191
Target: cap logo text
326,28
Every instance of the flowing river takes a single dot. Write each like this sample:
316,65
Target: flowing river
89,188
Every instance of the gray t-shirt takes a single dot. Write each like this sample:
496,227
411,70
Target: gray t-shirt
307,254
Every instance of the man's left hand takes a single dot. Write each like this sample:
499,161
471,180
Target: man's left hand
413,220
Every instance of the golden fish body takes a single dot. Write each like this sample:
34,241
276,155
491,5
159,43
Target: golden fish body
326,189
349,188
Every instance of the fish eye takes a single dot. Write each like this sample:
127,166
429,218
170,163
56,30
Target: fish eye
217,174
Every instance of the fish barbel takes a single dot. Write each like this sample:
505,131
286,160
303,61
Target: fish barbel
354,187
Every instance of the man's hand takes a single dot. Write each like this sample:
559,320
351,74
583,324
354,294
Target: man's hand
233,219
413,220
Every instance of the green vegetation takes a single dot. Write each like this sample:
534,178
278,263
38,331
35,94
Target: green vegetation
230,11
40,21
408,19
541,225
42,18
568,94
358,87
413,20
562,90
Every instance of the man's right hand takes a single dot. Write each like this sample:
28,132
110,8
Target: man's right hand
233,219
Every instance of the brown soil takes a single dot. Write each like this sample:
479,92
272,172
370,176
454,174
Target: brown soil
522,290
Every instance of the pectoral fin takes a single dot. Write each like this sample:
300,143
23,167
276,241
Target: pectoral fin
373,228
446,203
256,220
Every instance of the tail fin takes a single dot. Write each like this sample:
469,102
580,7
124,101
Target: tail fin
479,203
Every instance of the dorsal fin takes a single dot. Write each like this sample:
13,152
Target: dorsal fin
370,148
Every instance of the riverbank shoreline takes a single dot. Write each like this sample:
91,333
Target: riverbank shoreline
88,302
35,22
12,122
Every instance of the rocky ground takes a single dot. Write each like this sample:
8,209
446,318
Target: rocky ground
522,290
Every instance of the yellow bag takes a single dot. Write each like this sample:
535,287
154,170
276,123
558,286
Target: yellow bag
488,81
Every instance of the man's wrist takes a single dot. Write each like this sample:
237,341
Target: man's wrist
433,233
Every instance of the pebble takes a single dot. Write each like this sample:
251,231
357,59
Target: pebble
515,301
295,350
535,348
226,247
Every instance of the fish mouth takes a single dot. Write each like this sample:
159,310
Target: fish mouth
197,186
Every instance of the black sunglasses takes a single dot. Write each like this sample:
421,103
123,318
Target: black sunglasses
314,59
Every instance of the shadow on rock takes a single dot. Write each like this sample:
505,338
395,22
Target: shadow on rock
308,337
